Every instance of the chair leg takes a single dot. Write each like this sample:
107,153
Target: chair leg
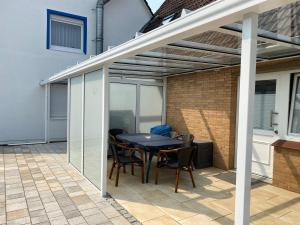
132,169
177,179
191,174
117,178
193,166
143,173
124,169
112,170
156,174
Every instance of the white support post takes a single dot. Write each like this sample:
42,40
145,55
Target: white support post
105,126
82,122
47,86
164,115
138,108
245,123
68,119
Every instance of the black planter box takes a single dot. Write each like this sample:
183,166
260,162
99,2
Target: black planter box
203,155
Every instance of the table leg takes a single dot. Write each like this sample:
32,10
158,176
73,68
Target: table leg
151,154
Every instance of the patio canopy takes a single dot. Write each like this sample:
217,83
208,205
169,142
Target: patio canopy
206,39
225,33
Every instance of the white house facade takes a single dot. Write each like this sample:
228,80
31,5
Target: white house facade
39,36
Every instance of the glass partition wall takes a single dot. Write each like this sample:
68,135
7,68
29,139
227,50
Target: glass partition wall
85,125
135,106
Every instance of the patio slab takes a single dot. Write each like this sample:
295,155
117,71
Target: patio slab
37,186
210,203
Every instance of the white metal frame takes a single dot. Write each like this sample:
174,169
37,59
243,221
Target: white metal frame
46,112
291,115
245,125
68,120
138,83
71,21
105,127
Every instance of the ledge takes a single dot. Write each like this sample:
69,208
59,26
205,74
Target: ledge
292,145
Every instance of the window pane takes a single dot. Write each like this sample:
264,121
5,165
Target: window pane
65,35
151,107
58,100
123,106
265,92
93,127
76,122
296,111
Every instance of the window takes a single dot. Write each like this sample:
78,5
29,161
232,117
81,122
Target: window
264,104
58,101
66,32
295,107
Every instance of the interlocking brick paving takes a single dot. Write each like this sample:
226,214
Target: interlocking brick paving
37,186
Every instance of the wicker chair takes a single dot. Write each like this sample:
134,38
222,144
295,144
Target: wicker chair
128,158
183,161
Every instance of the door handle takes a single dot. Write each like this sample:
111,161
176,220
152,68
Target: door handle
272,117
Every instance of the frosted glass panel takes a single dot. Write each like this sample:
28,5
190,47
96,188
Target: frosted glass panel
123,106
296,112
151,107
93,126
76,122
265,92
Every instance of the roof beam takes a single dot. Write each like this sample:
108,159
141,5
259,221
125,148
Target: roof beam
262,35
144,68
185,58
139,73
199,47
161,64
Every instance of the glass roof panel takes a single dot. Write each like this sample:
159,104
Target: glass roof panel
209,56
217,39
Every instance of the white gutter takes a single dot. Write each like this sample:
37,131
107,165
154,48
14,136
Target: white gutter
210,17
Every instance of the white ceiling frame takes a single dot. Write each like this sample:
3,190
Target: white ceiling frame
146,68
267,34
141,73
199,47
155,64
211,49
212,16
187,58
259,38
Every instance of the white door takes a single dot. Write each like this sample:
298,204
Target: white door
270,119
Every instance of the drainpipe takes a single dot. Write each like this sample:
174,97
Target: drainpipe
99,26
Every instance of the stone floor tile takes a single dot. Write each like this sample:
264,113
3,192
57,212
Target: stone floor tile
96,219
40,219
17,214
76,220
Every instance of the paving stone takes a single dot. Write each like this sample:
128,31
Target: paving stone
38,187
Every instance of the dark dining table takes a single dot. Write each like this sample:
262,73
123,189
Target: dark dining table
151,143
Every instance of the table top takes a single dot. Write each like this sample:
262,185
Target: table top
149,140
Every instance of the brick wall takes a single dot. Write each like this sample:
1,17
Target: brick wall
204,104
286,170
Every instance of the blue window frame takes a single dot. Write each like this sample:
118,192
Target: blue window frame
58,22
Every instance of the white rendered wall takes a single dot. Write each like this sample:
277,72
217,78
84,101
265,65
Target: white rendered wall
25,61
122,19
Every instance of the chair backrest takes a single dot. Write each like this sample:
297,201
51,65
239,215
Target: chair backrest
116,131
187,139
185,156
114,149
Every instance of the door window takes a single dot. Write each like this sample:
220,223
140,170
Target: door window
264,106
